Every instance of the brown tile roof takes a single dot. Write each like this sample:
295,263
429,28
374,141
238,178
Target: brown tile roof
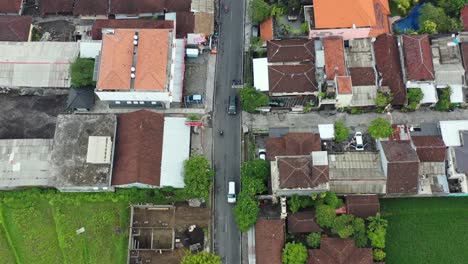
185,23
269,241
464,17
299,172
138,148
266,29
389,67
99,24
362,205
418,57
339,251
303,222
344,84
430,148
382,25
292,78
334,57
464,52
91,7
152,59
293,144
403,167
10,6
56,6
15,28
290,50
399,151
149,6
362,76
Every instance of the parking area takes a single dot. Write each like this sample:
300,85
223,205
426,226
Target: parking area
196,72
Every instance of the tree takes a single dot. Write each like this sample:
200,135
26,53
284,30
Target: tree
325,215
444,100
313,240
246,211
343,225
428,27
383,99
376,222
193,117
294,253
200,258
252,186
451,7
403,5
379,254
359,228
341,131
256,168
297,202
439,17
259,10
377,230
332,200
305,27
252,98
380,128
82,71
198,177
414,96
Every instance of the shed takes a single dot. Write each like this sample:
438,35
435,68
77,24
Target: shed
260,69
326,131
362,205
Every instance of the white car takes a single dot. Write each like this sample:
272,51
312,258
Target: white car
359,141
231,196
262,154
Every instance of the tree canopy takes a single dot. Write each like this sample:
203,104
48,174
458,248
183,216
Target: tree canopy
252,98
380,128
256,168
200,258
294,253
325,215
198,177
246,211
437,15
82,73
313,240
259,10
444,99
341,131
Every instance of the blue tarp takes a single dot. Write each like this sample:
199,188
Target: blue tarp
410,22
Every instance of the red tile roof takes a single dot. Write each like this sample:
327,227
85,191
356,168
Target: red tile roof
382,25
299,172
430,148
269,241
10,6
362,205
389,67
362,76
290,50
148,6
464,53
292,78
293,144
303,222
403,167
464,17
99,24
344,85
15,28
91,7
418,57
334,57
138,148
266,29
56,7
339,251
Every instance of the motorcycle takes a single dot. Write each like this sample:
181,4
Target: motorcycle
221,132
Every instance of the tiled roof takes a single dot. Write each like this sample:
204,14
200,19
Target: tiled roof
403,167
185,23
91,7
464,17
344,84
430,148
382,25
266,29
362,205
334,57
293,144
10,6
99,24
138,148
303,222
15,28
292,78
149,6
389,67
362,76
56,6
399,151
418,57
289,50
339,251
464,53
343,13
269,241
299,172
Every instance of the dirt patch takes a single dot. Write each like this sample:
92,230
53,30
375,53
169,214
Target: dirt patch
204,23
186,216
59,30
29,116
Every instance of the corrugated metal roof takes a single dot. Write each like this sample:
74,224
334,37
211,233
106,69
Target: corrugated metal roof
451,131
177,82
260,69
90,49
364,95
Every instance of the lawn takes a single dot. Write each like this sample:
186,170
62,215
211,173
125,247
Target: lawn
426,230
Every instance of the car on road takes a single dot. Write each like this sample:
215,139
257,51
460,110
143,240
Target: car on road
262,154
231,192
359,141
232,108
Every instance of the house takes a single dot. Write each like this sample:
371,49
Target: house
56,7
80,99
37,64
269,241
339,251
140,68
302,222
334,58
100,24
24,162
292,144
387,62
134,9
145,155
83,153
15,28
356,172
351,20
11,7
362,205
91,9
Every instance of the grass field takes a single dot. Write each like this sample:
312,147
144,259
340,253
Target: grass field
426,230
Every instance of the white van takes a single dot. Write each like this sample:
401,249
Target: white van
232,192
359,141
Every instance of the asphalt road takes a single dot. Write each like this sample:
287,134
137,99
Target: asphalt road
227,147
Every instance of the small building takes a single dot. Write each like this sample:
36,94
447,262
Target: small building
326,131
362,205
83,153
303,222
292,144
260,72
90,49
80,99
269,241
340,251
11,7
15,28
266,29
334,58
100,24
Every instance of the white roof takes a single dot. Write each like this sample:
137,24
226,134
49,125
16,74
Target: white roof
90,48
457,93
326,131
319,158
99,150
176,149
451,131
428,89
260,69
177,82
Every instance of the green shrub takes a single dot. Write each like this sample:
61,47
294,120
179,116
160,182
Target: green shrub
246,211
444,103
252,98
259,10
82,71
332,200
343,225
377,230
341,131
313,240
294,253
359,228
380,128
379,254
325,215
198,176
297,202
200,258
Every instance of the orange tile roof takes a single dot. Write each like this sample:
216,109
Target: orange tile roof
334,57
116,60
344,13
344,85
266,29
382,25
152,58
